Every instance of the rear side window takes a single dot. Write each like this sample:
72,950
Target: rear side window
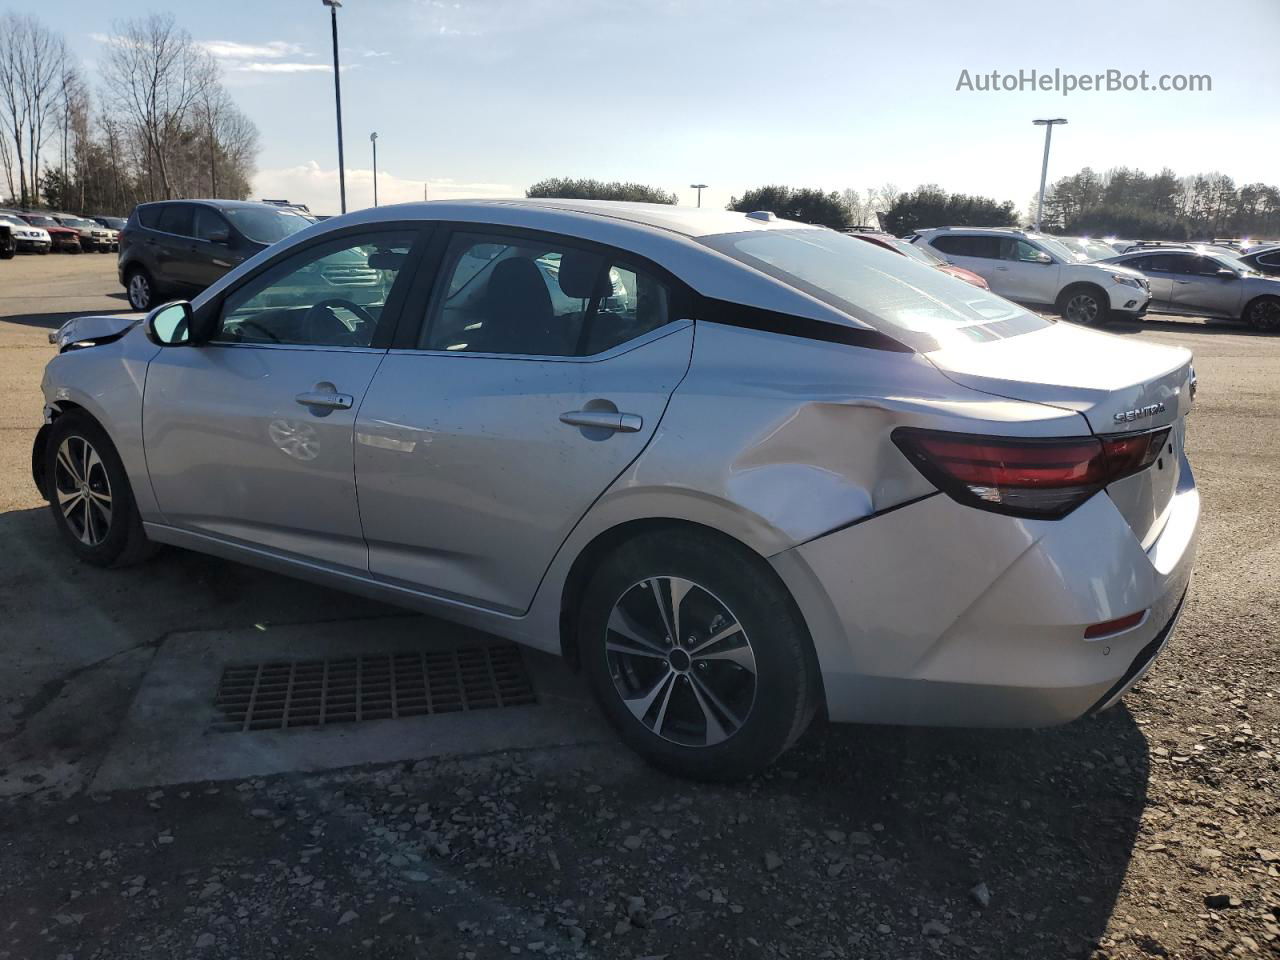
532,297
987,248
176,218
149,216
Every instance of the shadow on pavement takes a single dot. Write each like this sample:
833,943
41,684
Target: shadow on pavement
53,321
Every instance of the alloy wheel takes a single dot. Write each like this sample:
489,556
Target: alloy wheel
1082,308
139,291
681,662
1265,316
83,490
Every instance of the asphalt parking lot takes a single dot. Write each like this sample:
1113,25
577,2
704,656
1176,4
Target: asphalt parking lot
127,829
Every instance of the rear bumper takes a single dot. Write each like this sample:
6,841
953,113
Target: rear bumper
941,615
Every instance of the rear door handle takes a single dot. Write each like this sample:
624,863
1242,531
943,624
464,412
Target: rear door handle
332,401
604,419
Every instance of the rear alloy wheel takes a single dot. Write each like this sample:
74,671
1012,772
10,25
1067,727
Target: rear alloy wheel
89,494
1084,306
697,654
1263,315
140,289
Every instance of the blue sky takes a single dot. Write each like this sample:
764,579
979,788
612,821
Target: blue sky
482,98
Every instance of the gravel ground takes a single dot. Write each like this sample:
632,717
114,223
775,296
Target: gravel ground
1152,831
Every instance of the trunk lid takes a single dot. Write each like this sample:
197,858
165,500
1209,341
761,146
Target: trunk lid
1117,384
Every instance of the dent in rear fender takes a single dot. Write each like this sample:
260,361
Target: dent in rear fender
795,435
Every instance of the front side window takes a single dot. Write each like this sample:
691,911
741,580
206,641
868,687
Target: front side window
210,226
329,295
266,225
528,297
1020,250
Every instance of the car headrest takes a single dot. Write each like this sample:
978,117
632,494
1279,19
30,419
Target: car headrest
582,275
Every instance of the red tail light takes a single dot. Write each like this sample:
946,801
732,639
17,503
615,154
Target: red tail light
1039,478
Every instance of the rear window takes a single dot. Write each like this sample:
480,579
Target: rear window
149,216
176,218
903,298
986,247
264,225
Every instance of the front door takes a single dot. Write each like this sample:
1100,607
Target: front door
540,374
1026,273
249,437
1206,291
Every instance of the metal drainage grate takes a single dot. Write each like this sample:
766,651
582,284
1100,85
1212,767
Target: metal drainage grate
318,693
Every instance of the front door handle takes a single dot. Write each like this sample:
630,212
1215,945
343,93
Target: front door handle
604,419
332,401
1182,281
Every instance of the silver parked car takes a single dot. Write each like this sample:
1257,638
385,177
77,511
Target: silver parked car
1193,283
741,469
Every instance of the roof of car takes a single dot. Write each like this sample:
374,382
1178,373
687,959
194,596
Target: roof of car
688,221
223,204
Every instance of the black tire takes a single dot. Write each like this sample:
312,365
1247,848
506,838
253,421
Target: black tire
8,252
1084,304
1263,314
45,252
140,288
776,678
124,541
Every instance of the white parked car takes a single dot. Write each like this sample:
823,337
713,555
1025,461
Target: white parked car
25,236
1037,269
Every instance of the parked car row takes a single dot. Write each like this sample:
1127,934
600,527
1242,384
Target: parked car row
36,231
1088,283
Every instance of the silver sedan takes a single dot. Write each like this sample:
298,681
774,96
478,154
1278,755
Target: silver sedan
1202,284
741,470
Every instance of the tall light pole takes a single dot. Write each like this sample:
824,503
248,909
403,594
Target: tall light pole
1044,166
699,187
373,138
333,6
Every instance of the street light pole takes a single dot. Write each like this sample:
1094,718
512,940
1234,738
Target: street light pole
333,6
373,138
699,187
1044,166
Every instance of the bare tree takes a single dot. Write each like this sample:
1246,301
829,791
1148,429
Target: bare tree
155,76
34,59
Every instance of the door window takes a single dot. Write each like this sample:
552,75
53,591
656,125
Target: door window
529,297
987,248
1020,250
210,225
1186,264
176,218
330,295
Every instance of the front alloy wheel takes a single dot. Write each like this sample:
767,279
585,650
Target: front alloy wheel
83,490
1083,308
681,661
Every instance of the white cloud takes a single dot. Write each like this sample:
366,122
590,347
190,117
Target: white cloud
317,187
232,50
281,67
376,53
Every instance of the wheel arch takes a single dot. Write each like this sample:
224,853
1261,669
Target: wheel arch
1075,286
40,445
1260,298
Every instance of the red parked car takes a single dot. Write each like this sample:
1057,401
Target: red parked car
890,242
62,238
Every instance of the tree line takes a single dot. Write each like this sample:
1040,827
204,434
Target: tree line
1162,206
160,124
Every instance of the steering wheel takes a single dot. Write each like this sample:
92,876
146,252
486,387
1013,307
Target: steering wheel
323,313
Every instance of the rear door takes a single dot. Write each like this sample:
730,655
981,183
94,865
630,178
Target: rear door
249,438
540,371
171,243
1161,269
1204,289
977,252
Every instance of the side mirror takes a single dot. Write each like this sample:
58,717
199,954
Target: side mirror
1043,257
219,236
1225,272
169,325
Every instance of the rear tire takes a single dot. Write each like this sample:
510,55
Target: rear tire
1084,304
707,710
89,494
140,288
1263,314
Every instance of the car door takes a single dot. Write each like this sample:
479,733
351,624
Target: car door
979,253
1204,289
249,437
1161,269
1027,272
210,254
169,246
539,374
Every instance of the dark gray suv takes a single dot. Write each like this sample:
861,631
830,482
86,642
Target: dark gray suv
176,248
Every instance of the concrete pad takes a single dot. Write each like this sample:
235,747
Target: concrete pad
165,740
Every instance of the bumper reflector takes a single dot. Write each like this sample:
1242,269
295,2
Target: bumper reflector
1119,625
